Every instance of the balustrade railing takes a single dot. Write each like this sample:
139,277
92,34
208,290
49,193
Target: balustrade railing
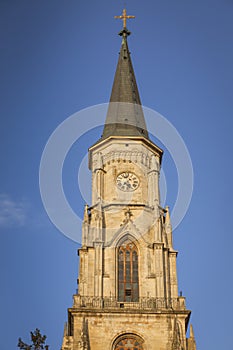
143,303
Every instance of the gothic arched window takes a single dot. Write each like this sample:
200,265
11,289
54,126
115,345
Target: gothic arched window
128,272
128,342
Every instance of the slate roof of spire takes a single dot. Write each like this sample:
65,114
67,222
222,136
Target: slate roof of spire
125,115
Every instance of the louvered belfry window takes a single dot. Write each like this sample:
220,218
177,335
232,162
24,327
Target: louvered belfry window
128,272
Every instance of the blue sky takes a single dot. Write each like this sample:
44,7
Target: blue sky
58,57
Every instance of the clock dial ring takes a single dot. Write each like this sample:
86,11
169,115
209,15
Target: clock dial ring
127,181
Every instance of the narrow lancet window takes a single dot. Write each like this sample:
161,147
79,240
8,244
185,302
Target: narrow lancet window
128,272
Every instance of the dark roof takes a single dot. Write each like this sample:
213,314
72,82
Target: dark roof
125,115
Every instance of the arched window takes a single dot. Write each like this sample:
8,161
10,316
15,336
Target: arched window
128,342
128,272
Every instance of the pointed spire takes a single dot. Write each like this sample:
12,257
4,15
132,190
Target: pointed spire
125,115
168,227
167,217
65,332
191,334
191,340
85,217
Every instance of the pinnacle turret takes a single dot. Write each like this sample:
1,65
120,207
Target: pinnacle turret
191,343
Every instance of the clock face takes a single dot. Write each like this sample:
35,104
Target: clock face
127,181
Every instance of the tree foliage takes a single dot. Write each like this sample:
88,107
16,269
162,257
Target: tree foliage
37,342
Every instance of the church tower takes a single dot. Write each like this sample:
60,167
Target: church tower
127,295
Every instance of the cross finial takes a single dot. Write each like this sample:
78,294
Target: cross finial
124,18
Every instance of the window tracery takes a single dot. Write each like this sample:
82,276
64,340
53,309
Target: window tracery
128,290
129,342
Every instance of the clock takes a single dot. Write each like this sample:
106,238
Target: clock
127,181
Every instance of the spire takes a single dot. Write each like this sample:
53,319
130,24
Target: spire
191,332
125,115
85,217
168,227
167,217
191,340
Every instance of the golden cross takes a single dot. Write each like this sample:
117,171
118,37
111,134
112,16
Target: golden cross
124,17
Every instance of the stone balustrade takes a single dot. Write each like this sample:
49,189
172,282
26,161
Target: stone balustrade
144,303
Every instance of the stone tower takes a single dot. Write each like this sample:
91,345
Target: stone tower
128,293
